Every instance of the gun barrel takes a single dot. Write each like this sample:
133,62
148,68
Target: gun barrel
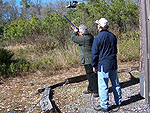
70,22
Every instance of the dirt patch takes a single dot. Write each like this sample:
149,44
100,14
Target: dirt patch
18,93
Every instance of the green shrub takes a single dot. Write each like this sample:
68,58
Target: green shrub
17,66
1,31
9,67
22,28
46,63
5,56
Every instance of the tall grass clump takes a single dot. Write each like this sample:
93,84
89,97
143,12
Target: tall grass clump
59,58
128,47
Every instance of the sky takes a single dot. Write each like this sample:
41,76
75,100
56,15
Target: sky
18,1
53,1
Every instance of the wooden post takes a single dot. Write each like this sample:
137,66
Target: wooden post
145,36
148,51
141,62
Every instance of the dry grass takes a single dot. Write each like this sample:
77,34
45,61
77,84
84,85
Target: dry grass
49,60
19,46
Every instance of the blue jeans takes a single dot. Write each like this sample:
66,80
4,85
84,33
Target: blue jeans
103,87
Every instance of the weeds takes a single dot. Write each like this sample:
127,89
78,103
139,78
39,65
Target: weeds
128,47
57,59
45,55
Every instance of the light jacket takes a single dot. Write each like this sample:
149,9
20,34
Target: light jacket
85,46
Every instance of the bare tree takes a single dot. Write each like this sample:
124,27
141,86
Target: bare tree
60,6
13,10
25,8
1,20
9,12
36,8
47,6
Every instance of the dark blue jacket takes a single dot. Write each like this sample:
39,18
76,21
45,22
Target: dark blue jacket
104,51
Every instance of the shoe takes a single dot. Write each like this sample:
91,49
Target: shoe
95,95
98,108
87,92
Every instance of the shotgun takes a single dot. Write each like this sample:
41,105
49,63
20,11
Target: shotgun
71,23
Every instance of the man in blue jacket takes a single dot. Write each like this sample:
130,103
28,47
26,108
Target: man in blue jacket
104,60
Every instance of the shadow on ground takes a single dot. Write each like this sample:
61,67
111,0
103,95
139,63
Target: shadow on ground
133,80
133,98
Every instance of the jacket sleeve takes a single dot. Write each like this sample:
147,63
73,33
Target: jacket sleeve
77,39
95,53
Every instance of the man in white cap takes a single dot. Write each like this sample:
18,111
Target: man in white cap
104,60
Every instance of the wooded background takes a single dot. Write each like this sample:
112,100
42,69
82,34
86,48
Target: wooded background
34,17
37,31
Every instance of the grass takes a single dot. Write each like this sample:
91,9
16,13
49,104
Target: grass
44,60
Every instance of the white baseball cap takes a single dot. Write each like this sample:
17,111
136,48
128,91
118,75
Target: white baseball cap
102,22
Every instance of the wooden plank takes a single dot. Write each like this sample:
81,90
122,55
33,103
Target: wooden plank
48,104
128,69
76,79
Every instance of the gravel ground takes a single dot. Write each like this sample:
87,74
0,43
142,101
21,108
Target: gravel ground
132,102
18,94
77,102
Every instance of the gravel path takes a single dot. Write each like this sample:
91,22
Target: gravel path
69,98
78,102
132,102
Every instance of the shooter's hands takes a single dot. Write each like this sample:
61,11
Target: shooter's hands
75,29
95,69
